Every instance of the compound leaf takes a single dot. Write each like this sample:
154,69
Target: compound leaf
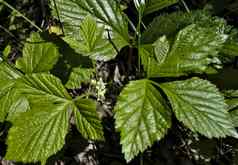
87,119
39,132
38,55
142,117
200,106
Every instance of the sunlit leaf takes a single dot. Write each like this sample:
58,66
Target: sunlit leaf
142,117
200,106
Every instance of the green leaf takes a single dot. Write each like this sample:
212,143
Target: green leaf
231,99
111,30
148,59
79,76
39,133
17,104
200,106
92,41
6,52
142,117
8,76
232,102
155,5
87,119
170,24
194,50
38,55
154,54
40,87
230,49
161,48
107,12
234,116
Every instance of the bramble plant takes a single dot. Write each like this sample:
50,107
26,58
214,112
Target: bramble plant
178,47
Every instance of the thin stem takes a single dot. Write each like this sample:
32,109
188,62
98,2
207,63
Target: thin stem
20,14
186,6
141,159
139,40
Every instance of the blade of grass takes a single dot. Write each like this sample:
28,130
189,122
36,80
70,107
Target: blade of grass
20,14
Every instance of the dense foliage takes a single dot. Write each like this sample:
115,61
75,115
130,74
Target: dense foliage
43,94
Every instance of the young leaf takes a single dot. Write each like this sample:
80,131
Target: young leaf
92,41
194,49
154,5
39,133
200,106
38,55
140,6
161,48
87,119
142,117
79,76
148,57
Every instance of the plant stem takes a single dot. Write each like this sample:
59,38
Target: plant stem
141,159
20,14
185,5
139,40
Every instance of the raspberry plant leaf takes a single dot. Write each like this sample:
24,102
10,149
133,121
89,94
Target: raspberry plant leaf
161,48
109,32
8,77
170,24
39,133
87,120
194,50
142,117
40,87
152,55
200,106
92,41
38,55
78,76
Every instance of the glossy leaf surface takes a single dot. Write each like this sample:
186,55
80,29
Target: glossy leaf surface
142,117
38,55
200,106
194,49
87,119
